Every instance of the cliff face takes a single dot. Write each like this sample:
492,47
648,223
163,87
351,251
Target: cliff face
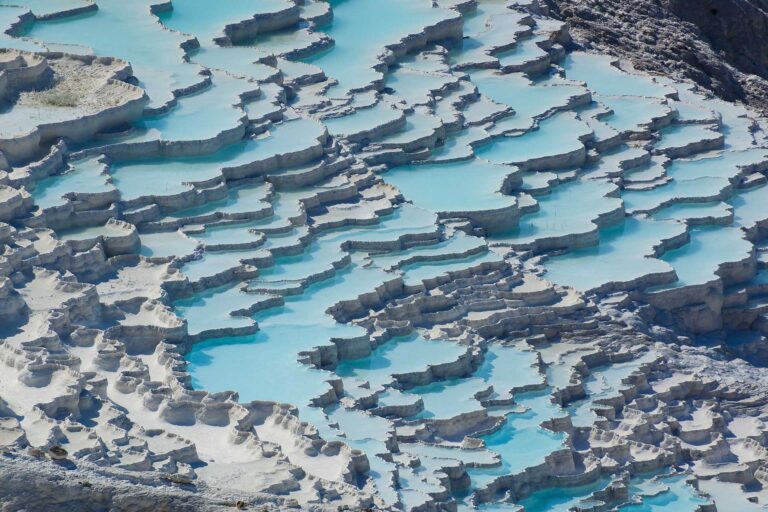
720,44
737,28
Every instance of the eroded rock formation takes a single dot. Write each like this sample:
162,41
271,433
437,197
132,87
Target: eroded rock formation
428,257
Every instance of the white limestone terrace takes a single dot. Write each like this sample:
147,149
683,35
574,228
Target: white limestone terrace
348,255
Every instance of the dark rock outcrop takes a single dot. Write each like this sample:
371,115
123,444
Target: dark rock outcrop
721,45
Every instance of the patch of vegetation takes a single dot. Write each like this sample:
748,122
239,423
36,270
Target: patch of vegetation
59,98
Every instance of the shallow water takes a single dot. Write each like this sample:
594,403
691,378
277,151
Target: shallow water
632,113
274,267
207,20
172,176
84,177
666,494
529,100
604,78
113,29
9,15
538,143
362,120
362,28
570,208
399,355
697,262
469,185
633,240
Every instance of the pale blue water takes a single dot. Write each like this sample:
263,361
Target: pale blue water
417,273
362,28
114,30
213,308
709,247
557,135
603,78
521,442
83,176
240,200
613,161
569,209
688,191
285,206
163,245
632,113
632,241
504,368
400,355
490,26
729,497
562,499
213,263
168,177
48,7
413,86
673,494
457,244
654,170
89,232
530,100
199,116
9,15
459,146
286,41
264,366
172,176
476,22
314,269
207,19
524,51
693,113
749,206
237,60
362,119
465,186
417,127
681,135
694,211
406,220
728,165
445,400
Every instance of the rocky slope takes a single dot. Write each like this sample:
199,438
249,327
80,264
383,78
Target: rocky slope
720,45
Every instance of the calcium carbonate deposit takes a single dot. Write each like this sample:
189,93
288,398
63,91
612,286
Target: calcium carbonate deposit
371,255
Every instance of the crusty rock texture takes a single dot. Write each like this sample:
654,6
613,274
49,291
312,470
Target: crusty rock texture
721,45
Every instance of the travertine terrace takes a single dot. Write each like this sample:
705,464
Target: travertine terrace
371,255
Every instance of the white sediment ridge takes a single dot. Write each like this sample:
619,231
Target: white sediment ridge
371,255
